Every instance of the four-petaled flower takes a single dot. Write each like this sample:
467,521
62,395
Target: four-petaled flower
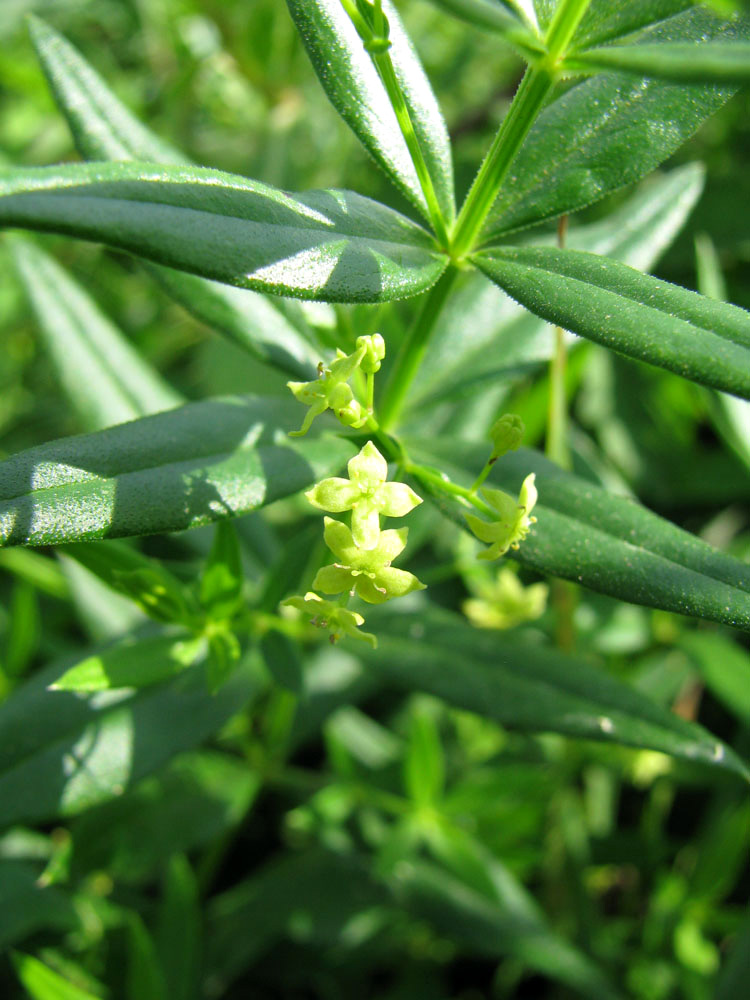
326,614
366,572
504,602
366,494
331,391
513,523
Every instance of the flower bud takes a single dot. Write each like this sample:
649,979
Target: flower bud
374,352
506,434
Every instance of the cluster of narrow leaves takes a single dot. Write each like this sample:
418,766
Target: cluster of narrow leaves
646,77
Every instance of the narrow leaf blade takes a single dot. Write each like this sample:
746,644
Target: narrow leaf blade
720,62
331,245
639,316
131,665
532,688
191,466
355,90
104,379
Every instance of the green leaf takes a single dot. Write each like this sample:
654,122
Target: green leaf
178,935
61,753
603,541
526,686
223,577
494,929
104,379
424,764
605,133
356,91
724,667
42,983
639,316
102,126
483,338
331,245
144,973
27,908
197,799
168,472
718,62
104,129
131,664
494,16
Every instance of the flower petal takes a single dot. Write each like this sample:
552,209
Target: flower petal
484,531
397,582
396,499
365,525
334,494
339,540
334,579
368,469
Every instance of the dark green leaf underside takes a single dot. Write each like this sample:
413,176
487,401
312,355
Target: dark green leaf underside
528,687
168,472
330,245
640,316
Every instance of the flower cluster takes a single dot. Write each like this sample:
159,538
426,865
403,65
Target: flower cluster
504,602
331,390
363,553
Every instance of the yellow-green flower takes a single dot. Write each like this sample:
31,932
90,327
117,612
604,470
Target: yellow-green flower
366,494
504,602
331,391
366,572
513,522
326,614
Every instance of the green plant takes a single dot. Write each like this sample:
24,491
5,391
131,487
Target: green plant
426,393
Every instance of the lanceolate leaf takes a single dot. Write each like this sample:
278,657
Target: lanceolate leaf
331,245
494,16
104,129
606,542
168,472
526,686
61,753
720,62
102,126
355,90
605,133
105,380
640,316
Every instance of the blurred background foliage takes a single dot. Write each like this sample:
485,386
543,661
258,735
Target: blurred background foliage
382,845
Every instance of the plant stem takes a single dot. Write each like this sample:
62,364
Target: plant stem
526,105
413,349
370,400
484,473
384,66
563,26
437,481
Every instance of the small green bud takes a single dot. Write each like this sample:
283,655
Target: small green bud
506,434
374,352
